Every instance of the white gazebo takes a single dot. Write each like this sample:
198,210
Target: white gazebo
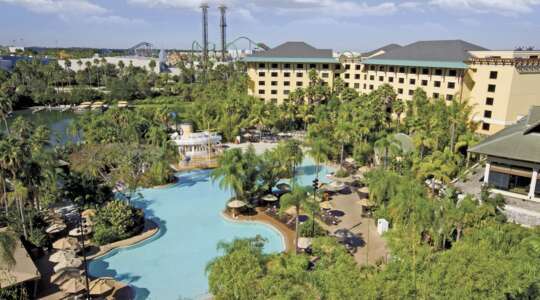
195,144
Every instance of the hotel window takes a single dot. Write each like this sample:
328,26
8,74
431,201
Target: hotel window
357,67
324,75
400,91
401,80
381,78
325,66
435,95
372,68
262,74
274,66
449,97
299,66
365,86
371,86
262,66
493,75
390,79
489,101
533,57
425,71
262,99
287,74
411,92
452,73
338,67
261,92
413,71
286,92
346,84
487,114
401,70
485,126
347,75
273,100
381,68
274,74
438,72
261,83
347,67
491,88
287,66
451,85
412,81
424,82
274,92
357,85
391,69
437,84
357,76
312,66
286,83
299,74
336,75
371,77
274,83
299,83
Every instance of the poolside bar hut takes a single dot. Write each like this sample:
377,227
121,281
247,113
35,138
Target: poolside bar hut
195,144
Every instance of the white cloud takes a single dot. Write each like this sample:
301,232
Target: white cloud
503,7
113,19
61,7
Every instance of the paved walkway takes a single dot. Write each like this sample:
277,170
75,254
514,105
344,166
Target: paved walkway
371,246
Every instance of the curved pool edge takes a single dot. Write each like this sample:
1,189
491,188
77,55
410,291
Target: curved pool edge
138,239
284,236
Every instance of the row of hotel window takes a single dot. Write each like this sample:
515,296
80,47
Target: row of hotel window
358,67
437,84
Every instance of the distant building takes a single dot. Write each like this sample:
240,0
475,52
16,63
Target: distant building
15,49
513,158
500,85
136,61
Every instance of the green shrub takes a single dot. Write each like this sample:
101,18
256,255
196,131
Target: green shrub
116,221
341,173
306,229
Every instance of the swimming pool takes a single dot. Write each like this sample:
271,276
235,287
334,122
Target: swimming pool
171,264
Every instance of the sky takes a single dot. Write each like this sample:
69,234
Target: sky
355,25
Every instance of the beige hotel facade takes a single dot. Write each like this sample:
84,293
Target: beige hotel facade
500,85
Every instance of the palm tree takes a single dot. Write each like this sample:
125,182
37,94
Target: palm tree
152,64
230,172
297,198
343,133
389,144
291,154
19,196
319,149
6,106
399,107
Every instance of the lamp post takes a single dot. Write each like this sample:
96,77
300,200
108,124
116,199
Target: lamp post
315,188
82,227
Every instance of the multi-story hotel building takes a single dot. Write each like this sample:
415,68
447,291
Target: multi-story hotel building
500,85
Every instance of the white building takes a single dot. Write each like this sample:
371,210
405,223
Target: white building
136,61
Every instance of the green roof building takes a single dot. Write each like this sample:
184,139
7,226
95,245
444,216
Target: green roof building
513,158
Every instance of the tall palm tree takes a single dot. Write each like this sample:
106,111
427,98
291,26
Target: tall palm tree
343,134
297,198
19,196
389,145
319,149
291,154
6,106
230,173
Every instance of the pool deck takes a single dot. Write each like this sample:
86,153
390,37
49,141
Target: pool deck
49,291
261,217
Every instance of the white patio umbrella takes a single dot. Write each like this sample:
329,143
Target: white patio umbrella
335,186
68,264
236,204
77,231
304,243
269,198
67,243
61,255
100,286
55,228
326,205
65,275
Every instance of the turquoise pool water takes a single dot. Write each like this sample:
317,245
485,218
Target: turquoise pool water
171,264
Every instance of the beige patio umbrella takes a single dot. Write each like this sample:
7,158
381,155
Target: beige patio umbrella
326,205
364,190
62,255
76,232
67,243
236,204
365,202
55,228
73,286
68,264
65,275
304,243
269,198
100,286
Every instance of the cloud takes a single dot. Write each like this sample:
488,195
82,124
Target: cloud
113,19
59,6
502,7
